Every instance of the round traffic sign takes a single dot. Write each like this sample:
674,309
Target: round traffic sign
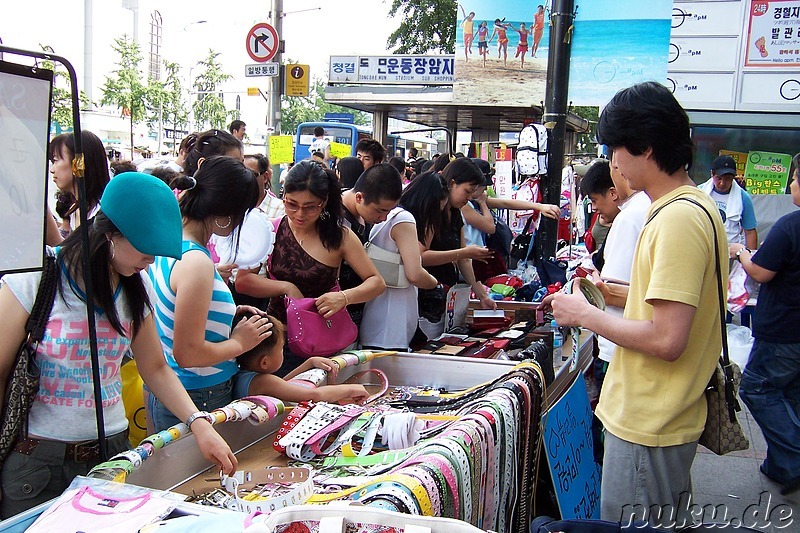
262,42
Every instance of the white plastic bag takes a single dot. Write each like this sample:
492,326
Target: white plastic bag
738,294
740,342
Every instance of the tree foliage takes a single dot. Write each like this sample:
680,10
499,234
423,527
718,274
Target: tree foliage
61,101
209,108
312,108
125,88
587,142
427,26
164,100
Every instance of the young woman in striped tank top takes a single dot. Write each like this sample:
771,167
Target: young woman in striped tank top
194,308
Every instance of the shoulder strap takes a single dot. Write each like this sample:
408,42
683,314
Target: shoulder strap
730,394
386,224
45,297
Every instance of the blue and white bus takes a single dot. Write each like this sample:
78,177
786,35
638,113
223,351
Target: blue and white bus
339,132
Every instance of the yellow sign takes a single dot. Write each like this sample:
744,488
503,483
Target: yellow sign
340,150
281,149
296,83
252,91
739,157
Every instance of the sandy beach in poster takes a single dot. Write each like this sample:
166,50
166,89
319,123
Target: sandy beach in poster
495,84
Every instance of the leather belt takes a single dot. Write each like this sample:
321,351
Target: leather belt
79,452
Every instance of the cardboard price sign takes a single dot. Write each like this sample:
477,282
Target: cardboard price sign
281,149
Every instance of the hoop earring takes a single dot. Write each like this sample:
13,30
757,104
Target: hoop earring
324,216
220,226
113,249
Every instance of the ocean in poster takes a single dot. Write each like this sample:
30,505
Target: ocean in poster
607,55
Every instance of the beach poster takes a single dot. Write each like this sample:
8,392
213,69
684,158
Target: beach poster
614,45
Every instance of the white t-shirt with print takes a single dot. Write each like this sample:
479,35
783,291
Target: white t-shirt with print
63,408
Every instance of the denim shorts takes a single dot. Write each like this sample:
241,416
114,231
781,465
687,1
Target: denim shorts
206,399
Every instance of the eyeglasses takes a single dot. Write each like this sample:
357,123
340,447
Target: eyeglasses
292,207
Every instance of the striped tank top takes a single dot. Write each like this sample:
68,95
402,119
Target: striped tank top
218,323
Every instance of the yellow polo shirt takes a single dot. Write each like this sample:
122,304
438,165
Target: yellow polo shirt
646,400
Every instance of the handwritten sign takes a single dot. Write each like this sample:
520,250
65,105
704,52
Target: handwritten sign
281,149
340,150
570,454
767,172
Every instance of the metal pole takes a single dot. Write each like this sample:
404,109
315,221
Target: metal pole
555,116
276,89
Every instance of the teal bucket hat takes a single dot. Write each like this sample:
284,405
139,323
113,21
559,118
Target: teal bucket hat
145,211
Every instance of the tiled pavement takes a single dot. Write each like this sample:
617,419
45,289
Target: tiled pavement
734,483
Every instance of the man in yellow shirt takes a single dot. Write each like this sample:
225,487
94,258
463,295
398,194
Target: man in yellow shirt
652,404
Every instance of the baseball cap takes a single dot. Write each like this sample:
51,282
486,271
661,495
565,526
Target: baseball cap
724,164
486,169
145,211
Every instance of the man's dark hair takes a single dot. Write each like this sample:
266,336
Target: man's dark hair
597,179
373,148
319,131
644,116
412,152
236,125
398,163
379,182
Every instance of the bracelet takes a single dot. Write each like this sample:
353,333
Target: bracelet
199,414
346,301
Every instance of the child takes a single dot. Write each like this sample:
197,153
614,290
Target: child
257,365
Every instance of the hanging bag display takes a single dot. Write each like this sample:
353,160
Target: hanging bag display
311,334
23,381
722,433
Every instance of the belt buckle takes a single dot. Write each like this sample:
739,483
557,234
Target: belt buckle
82,453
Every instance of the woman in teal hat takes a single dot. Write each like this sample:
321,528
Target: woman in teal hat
138,219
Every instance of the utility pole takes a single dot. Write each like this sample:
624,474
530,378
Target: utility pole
276,87
562,19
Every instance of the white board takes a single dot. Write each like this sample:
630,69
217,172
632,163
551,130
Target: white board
24,125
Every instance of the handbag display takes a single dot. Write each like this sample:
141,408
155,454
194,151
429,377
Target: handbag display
311,334
389,264
23,381
722,433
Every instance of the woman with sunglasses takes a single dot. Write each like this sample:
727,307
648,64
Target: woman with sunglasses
310,245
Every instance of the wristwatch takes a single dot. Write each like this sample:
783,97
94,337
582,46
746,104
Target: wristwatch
739,253
199,414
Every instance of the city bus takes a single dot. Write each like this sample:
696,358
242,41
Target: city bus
350,134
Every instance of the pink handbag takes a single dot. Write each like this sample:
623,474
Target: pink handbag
310,334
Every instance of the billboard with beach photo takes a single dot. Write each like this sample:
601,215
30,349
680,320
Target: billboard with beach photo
615,44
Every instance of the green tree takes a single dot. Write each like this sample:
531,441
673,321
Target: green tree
427,26
61,101
312,108
587,142
164,100
125,89
209,107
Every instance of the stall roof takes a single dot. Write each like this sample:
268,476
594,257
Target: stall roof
433,107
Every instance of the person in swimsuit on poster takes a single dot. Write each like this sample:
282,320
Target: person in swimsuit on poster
500,29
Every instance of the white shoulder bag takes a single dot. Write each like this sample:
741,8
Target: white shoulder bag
389,264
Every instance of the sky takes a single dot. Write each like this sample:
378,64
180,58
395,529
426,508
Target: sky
312,29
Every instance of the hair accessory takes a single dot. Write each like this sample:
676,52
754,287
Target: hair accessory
220,226
194,183
145,211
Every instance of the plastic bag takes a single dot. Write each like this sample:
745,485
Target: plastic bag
740,342
738,294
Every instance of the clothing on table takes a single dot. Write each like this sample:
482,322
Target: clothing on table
399,304
219,321
290,262
736,209
771,381
647,400
83,509
620,246
348,278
